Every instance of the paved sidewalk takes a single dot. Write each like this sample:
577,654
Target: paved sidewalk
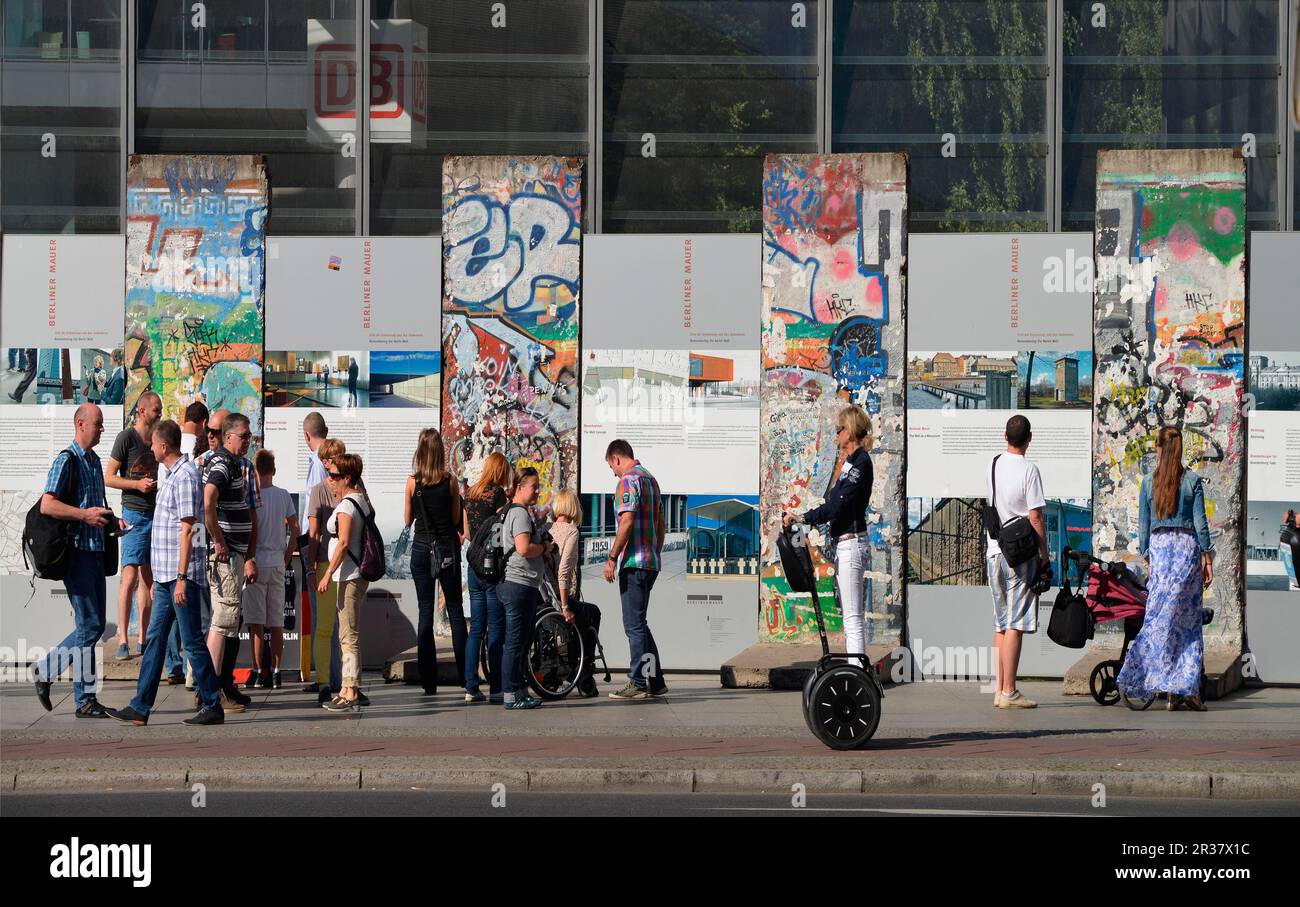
942,735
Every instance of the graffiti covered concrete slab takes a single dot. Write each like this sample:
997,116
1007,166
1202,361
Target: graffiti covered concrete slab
833,333
194,281
512,278
1170,307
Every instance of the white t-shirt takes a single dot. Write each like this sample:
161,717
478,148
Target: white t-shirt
357,511
277,506
1020,490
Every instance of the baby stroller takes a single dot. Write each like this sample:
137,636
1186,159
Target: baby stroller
1113,593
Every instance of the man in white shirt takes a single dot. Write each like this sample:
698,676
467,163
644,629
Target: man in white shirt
263,600
1015,606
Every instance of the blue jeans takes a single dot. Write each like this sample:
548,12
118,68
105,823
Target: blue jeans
634,585
486,616
166,613
173,661
520,604
425,585
86,593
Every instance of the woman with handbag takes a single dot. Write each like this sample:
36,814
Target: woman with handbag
845,509
433,505
347,526
1173,534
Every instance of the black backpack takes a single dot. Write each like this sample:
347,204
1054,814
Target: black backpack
48,542
796,563
1071,622
487,554
1016,537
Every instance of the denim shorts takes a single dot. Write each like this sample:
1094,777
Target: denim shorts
135,544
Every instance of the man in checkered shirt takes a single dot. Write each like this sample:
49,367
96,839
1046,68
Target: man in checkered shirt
178,577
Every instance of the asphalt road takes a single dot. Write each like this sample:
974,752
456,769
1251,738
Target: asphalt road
449,804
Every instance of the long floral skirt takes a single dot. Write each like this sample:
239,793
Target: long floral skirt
1167,654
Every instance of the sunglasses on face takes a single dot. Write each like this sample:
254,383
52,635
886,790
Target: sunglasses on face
213,431
334,475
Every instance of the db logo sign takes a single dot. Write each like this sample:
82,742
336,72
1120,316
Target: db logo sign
335,81
398,80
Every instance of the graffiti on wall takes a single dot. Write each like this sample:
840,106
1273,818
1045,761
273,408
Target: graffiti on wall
512,272
1170,330
194,282
833,333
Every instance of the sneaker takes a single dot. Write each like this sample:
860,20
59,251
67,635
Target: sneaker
475,696
264,680
629,691
662,691
251,682
1017,700
207,716
239,697
43,694
230,705
128,715
123,652
587,688
275,680
527,702
1194,704
997,699
92,709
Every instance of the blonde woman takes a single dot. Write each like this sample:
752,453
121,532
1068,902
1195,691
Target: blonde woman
1174,536
845,509
565,533
486,616
347,525
324,644
433,505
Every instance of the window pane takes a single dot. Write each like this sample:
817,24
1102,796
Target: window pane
248,83
1169,74
520,88
60,116
718,84
907,72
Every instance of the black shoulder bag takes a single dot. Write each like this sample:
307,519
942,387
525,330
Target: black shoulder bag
1016,537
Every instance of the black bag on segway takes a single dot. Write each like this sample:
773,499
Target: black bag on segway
1071,622
796,563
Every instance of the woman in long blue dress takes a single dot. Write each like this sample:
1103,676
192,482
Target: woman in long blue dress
1173,533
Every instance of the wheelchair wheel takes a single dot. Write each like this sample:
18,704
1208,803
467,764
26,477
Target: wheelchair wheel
844,707
1101,683
555,656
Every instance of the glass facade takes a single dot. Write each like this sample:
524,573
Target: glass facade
1001,105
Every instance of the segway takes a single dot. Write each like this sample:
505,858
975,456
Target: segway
841,701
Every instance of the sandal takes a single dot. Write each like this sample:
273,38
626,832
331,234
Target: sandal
1194,704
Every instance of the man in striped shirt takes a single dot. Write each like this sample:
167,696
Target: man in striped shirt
178,577
636,557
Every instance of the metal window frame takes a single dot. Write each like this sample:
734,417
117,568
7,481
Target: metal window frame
361,161
594,197
825,34
1287,137
1055,123
126,115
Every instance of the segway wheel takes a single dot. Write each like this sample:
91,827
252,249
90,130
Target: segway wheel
807,699
1102,683
844,707
1138,705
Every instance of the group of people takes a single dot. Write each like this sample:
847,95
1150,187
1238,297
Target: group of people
206,538
1173,537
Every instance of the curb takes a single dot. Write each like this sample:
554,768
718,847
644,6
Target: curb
1181,785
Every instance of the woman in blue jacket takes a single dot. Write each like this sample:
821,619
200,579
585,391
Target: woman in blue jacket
1174,536
846,511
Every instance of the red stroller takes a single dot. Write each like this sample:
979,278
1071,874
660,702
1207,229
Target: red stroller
1114,593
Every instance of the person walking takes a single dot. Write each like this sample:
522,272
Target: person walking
486,616
326,654
1019,488
263,602
177,511
433,505
520,589
133,469
1174,537
635,558
846,510
565,533
347,526
84,581
230,512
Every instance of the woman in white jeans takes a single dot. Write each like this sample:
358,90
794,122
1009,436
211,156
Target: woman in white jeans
845,510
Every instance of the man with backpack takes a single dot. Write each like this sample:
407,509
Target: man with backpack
74,493
230,514
1016,497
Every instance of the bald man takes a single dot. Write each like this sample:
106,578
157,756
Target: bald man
133,470
79,465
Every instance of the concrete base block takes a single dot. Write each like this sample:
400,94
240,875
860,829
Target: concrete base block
784,666
1222,672
1076,678
404,667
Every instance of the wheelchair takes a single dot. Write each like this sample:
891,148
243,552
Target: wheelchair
557,652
